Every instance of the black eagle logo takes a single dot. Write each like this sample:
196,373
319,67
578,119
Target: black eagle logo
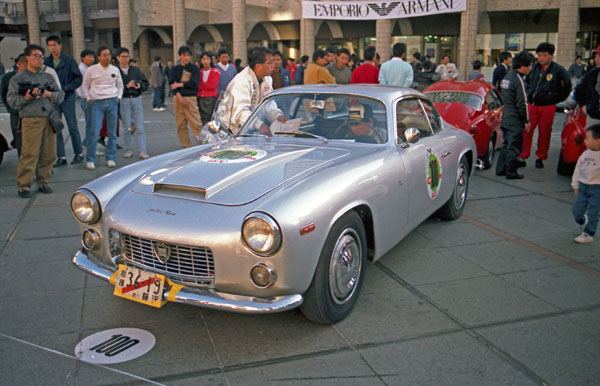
383,10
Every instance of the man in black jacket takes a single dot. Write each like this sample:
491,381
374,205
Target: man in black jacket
515,117
587,92
131,111
504,61
15,121
547,84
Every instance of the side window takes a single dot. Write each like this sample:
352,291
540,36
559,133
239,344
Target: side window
409,114
434,117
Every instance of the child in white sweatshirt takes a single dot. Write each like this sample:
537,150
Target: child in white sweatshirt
586,184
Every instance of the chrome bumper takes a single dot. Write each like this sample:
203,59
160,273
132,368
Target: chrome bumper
202,297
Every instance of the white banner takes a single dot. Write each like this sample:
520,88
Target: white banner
372,10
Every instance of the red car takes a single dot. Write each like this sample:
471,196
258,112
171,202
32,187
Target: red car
475,107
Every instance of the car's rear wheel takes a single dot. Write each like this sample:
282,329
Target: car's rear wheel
454,207
338,278
488,157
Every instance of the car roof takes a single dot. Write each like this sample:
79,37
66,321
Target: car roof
385,93
475,86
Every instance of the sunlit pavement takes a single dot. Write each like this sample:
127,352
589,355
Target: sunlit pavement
502,296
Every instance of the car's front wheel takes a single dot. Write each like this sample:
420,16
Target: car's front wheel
338,278
454,207
488,157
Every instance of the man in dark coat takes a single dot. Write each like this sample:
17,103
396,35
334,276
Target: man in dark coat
515,117
15,121
504,61
587,92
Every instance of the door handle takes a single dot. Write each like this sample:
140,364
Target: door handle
447,153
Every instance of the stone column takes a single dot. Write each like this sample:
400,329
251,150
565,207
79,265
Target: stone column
240,46
77,28
568,25
383,34
125,24
469,21
178,26
144,47
33,22
307,37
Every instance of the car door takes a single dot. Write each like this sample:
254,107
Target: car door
423,159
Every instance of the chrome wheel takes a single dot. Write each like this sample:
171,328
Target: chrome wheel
460,191
345,266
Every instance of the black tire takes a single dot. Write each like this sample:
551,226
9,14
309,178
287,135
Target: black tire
488,157
1,156
455,205
565,168
327,301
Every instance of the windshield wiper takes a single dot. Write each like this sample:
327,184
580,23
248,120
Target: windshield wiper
300,133
254,135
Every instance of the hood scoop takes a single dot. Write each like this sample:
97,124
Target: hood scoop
182,191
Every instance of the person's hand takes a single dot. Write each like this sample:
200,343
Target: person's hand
527,126
264,129
28,95
584,109
130,84
89,101
137,85
281,118
575,190
47,94
182,100
173,86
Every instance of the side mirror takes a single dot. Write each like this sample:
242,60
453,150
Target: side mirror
412,135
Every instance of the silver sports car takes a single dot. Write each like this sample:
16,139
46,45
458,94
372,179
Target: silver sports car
283,213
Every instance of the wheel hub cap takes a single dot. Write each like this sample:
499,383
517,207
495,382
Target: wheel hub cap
345,266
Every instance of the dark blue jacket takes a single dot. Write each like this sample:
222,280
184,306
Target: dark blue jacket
67,71
299,75
285,77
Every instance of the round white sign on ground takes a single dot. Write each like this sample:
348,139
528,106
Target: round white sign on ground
115,346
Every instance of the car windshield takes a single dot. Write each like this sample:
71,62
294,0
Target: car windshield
467,98
321,116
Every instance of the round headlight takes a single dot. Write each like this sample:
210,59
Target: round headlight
90,240
261,233
263,276
85,207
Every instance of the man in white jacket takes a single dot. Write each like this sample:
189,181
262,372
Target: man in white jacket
247,90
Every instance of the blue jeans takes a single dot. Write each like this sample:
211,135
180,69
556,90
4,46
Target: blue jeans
68,109
87,115
587,200
132,112
156,100
100,108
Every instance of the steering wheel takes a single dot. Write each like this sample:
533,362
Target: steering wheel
344,131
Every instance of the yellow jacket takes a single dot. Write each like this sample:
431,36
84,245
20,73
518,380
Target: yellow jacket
316,74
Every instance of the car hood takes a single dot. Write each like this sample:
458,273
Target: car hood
236,172
457,114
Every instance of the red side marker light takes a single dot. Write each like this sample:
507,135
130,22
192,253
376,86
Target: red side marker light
307,228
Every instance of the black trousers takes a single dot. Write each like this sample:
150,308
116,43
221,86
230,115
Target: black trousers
206,105
511,148
15,128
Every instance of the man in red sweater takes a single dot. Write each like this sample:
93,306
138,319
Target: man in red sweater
367,72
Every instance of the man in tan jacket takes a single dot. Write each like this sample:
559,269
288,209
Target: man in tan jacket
316,73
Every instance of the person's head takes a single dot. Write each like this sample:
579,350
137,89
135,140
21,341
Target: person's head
276,61
34,55
377,59
477,65
342,57
290,61
545,53
592,137
597,56
522,62
123,56
416,57
320,57
238,62
205,61
185,55
446,59
20,63
133,62
169,62
260,61
104,55
360,119
331,54
427,65
88,57
304,60
578,59
399,50
505,58
157,59
427,58
223,56
369,53
591,60
54,45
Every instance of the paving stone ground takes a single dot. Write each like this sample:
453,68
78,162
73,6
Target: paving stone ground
501,296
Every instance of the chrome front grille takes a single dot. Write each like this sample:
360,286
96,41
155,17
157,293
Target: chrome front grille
185,264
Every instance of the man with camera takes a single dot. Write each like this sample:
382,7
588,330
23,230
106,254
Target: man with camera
34,94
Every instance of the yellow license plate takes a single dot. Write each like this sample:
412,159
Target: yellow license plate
140,286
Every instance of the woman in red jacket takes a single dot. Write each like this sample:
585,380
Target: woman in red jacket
207,87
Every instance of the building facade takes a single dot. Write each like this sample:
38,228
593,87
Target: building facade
158,27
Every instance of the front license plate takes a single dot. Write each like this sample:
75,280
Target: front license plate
140,286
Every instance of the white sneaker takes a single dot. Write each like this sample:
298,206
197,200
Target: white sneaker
110,163
584,238
144,155
128,154
585,220
90,165
160,109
